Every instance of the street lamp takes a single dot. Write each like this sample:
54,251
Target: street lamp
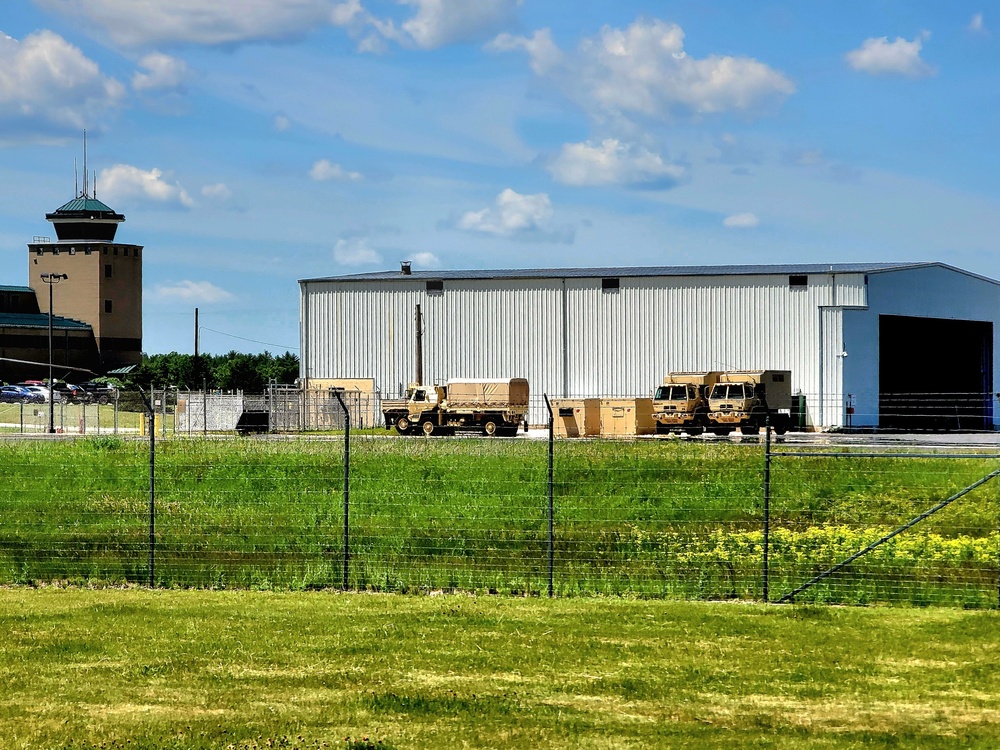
51,279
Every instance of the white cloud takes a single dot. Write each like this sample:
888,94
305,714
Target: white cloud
880,56
219,191
324,170
440,22
426,259
164,73
282,123
541,50
434,23
47,83
612,162
192,291
644,71
977,25
516,216
153,22
741,221
126,181
347,13
355,252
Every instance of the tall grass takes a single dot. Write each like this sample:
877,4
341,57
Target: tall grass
649,518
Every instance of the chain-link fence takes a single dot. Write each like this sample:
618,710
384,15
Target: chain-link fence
707,518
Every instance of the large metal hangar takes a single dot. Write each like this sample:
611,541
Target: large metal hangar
884,345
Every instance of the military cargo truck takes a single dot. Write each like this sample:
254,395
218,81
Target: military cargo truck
746,399
681,403
492,407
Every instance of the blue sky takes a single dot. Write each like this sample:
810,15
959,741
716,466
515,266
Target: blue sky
252,143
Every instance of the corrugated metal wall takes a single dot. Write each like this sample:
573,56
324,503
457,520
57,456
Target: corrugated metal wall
570,337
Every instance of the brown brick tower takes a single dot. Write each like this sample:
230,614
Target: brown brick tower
104,278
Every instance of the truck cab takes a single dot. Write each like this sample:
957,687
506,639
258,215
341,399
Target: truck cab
750,399
679,405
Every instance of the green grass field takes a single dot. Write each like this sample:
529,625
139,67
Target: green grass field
653,518
241,669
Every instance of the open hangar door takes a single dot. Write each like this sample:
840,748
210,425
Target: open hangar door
935,374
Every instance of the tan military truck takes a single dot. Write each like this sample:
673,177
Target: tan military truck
681,403
747,399
492,407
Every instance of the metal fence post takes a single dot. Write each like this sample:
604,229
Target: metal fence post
151,417
347,488
552,536
767,507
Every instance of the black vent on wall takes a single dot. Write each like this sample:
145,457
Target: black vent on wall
610,285
435,285
799,281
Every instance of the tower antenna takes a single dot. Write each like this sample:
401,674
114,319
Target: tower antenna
76,180
95,184
85,174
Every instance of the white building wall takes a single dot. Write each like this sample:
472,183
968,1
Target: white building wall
571,338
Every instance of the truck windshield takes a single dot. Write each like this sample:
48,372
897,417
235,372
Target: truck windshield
672,393
729,391
419,396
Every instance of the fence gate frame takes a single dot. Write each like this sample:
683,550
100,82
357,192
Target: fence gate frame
769,455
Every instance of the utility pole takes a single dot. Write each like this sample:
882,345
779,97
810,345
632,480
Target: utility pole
420,349
197,362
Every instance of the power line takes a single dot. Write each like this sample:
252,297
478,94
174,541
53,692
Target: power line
253,341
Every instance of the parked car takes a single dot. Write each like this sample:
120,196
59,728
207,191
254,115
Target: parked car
102,393
16,394
74,394
41,393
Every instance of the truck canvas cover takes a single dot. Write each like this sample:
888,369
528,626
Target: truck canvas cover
512,392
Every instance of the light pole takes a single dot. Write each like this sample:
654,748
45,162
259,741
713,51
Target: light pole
51,279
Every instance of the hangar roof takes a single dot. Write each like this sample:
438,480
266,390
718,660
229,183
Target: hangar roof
644,271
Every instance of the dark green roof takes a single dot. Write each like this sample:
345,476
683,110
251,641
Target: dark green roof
21,289
85,203
40,320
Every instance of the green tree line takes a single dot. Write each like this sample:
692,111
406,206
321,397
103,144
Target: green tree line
232,371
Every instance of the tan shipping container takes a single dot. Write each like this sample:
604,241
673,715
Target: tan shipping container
627,416
576,417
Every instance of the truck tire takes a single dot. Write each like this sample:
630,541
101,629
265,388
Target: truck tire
428,427
491,426
403,425
694,429
782,422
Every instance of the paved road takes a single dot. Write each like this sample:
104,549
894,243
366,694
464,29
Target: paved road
977,440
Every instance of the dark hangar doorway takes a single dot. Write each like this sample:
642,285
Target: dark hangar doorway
935,374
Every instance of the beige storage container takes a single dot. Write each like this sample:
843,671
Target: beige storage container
576,417
627,416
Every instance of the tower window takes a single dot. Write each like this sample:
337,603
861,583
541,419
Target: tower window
107,306
105,251
107,270
116,251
